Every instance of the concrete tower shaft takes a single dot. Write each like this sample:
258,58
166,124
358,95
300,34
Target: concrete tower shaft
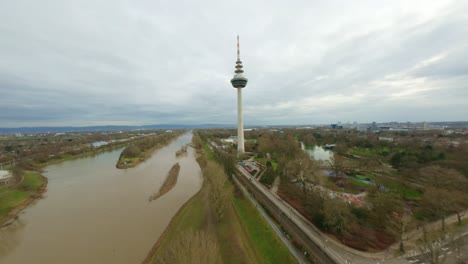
239,81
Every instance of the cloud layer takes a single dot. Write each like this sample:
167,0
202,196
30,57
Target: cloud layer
150,62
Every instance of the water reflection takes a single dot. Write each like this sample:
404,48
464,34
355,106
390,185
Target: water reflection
318,152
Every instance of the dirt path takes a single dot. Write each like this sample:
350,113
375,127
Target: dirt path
276,183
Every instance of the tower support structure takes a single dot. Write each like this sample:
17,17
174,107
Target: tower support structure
240,123
239,82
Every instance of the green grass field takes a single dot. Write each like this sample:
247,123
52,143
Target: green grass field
357,182
32,181
12,196
208,152
9,199
263,237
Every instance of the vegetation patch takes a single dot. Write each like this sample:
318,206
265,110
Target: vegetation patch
15,196
169,182
265,240
10,199
32,181
142,149
219,215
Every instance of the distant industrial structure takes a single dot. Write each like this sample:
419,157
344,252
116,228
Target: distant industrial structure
239,81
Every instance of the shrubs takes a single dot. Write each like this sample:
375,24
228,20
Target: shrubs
131,152
197,247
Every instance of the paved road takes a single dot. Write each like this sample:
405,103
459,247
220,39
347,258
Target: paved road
325,249
454,252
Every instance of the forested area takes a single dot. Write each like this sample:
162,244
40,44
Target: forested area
404,180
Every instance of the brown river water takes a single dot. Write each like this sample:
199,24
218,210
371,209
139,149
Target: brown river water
95,213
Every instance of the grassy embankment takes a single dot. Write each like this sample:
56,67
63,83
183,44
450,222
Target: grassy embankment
243,235
142,149
15,197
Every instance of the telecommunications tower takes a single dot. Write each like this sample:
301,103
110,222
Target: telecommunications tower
239,81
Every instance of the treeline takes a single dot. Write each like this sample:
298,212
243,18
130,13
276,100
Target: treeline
428,181
141,149
203,245
213,227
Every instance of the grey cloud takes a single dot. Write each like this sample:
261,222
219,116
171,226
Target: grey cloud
170,62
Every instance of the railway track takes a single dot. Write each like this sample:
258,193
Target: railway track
316,253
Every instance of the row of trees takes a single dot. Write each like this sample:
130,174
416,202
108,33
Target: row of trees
389,214
144,144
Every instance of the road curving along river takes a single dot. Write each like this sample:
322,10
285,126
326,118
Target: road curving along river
93,212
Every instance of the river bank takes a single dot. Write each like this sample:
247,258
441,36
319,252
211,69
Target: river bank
16,197
142,149
241,235
93,212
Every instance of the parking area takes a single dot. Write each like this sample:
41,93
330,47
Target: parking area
251,166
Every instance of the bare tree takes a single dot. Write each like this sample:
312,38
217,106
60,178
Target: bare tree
337,215
338,165
444,178
459,204
305,170
218,190
437,202
399,224
431,246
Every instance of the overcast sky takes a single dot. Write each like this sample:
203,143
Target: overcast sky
100,62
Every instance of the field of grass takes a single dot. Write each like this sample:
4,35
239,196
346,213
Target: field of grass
363,152
9,199
12,196
191,216
358,182
332,186
274,164
243,235
405,191
32,181
208,152
264,238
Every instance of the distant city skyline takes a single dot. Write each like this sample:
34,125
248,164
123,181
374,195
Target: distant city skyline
140,63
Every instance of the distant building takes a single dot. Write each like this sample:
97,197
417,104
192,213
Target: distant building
5,177
425,126
231,140
362,128
389,139
336,126
374,127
